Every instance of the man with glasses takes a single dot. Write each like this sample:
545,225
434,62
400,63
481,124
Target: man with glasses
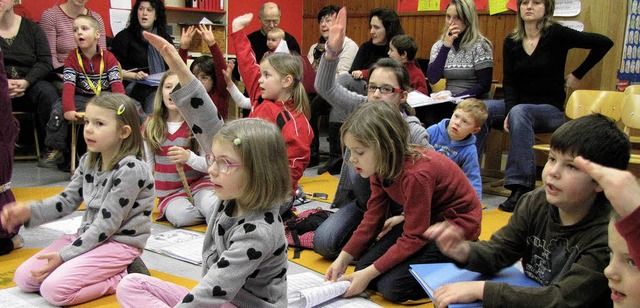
269,19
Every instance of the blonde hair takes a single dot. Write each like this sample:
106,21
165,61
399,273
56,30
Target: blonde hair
476,108
263,154
286,64
381,127
466,10
155,127
95,25
277,33
547,21
132,144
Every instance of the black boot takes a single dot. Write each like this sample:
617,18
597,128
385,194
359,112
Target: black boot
517,191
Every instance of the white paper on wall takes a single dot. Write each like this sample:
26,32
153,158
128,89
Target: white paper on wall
119,19
121,4
567,8
573,24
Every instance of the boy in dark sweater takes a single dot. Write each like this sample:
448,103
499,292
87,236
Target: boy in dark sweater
559,230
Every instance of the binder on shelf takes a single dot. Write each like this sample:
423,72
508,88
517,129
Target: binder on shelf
201,5
433,275
191,3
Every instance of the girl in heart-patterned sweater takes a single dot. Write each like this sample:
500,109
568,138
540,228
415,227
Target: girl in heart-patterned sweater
116,187
244,252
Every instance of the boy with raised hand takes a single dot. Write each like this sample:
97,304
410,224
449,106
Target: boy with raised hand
559,230
88,70
455,138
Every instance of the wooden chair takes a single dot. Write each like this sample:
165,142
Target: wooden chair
74,140
582,103
632,89
630,116
30,117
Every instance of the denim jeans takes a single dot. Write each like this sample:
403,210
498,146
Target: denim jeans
336,230
38,99
496,112
525,120
397,284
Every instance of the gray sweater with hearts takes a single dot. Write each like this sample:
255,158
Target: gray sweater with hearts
118,205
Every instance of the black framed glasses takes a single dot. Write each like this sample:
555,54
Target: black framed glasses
222,163
383,89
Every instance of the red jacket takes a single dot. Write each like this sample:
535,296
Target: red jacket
295,127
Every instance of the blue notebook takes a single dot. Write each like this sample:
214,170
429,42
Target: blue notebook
433,275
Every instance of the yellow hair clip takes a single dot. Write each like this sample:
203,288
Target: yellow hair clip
237,141
121,109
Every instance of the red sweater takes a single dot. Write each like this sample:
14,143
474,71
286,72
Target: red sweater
430,191
630,230
295,127
75,81
218,93
416,78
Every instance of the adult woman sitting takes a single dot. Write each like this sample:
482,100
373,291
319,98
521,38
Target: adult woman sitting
383,25
534,61
463,57
57,23
137,57
27,61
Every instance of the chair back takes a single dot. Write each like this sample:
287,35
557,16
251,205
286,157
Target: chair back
630,114
632,89
586,102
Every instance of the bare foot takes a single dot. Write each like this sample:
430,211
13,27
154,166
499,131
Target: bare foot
18,241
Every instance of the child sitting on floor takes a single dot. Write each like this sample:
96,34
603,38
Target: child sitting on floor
455,138
559,230
116,187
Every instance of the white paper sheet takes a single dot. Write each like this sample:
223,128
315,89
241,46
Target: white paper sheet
573,24
567,8
121,4
119,19
68,226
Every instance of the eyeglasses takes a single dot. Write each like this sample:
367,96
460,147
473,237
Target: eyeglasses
222,164
383,89
270,21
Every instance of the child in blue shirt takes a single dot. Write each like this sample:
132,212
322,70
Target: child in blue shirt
455,138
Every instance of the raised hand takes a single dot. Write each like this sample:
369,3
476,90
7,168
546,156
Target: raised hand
227,73
170,56
337,33
187,37
240,22
206,33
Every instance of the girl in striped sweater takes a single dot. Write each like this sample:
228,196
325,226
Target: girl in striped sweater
170,146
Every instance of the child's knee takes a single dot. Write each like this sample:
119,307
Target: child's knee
58,293
23,279
128,283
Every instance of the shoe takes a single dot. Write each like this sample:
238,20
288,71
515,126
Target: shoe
314,160
509,205
51,159
18,241
138,266
333,166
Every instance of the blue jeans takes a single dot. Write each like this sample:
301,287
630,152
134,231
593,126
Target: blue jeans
336,230
525,120
496,112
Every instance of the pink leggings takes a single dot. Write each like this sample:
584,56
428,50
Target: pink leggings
136,290
86,277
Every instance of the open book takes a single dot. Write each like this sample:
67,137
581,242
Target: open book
433,275
310,290
179,244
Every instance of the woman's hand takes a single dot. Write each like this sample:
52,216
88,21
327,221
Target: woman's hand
139,75
178,154
336,35
452,34
389,224
14,214
54,260
359,280
356,75
458,293
206,33
450,240
187,37
240,22
227,73
572,82
17,87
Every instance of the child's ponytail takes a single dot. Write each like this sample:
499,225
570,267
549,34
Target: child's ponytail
286,64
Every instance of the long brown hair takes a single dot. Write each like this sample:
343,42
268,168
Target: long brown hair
547,21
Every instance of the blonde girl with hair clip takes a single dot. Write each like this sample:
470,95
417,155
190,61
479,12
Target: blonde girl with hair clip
169,145
116,187
427,185
244,253
278,96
